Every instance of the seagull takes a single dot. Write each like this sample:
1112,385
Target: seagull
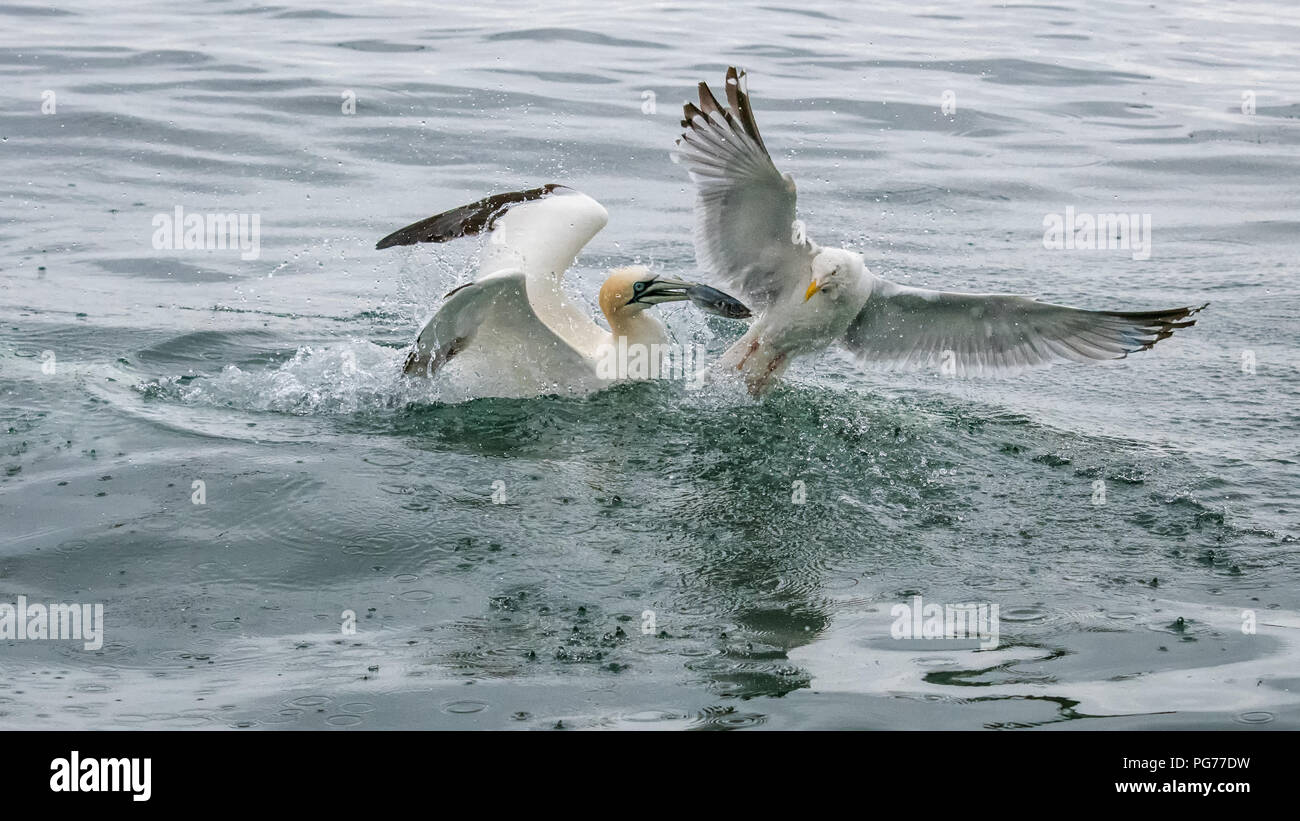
513,332
809,297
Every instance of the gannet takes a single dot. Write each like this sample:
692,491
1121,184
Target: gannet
810,297
513,332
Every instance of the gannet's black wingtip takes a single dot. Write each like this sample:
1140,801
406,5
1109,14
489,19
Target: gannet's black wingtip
466,220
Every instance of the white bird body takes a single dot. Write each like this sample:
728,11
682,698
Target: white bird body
502,346
532,341
810,297
794,326
542,238
513,332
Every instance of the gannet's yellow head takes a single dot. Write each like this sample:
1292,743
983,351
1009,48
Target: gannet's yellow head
833,268
618,296
629,291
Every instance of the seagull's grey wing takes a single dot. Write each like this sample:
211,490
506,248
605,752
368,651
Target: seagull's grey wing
495,314
745,228
982,334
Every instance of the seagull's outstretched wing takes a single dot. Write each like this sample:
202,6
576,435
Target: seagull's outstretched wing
494,311
540,231
745,228
984,334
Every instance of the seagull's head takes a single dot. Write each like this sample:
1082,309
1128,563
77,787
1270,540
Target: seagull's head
832,269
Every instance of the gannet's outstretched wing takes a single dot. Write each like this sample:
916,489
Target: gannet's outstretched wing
982,334
745,228
540,231
495,313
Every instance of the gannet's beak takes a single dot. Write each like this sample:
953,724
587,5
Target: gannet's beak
659,290
813,288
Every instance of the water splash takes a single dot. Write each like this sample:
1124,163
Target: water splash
340,378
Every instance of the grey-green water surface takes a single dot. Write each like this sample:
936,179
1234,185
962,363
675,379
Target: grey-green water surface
643,563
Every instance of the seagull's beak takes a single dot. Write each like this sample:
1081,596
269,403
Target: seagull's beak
813,288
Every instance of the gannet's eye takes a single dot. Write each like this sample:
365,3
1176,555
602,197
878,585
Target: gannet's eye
638,287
